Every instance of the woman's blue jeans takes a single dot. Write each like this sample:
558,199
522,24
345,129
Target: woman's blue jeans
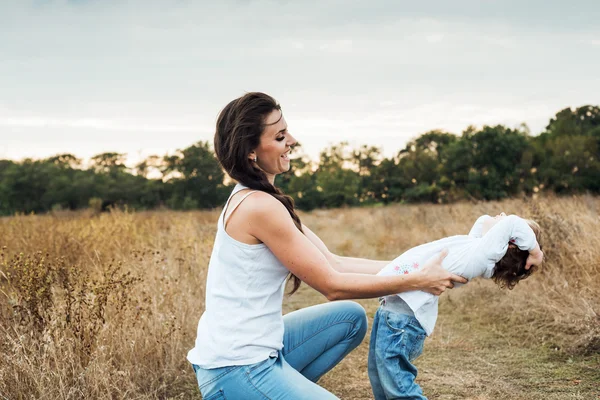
315,339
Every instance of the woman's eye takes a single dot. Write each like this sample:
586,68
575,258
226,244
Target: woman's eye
279,139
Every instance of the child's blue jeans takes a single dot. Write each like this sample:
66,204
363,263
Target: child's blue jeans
396,341
315,340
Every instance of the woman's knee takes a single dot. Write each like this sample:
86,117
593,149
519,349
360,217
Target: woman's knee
358,315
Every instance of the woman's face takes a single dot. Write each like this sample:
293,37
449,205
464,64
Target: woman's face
272,153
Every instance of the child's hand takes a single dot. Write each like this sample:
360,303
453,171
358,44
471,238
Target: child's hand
436,278
535,258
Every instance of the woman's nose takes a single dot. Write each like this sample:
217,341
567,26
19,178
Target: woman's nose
291,140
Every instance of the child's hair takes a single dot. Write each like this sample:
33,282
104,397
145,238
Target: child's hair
511,268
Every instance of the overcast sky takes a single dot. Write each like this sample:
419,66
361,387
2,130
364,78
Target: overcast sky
149,77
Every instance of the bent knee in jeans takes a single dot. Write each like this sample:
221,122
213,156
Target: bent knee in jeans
272,378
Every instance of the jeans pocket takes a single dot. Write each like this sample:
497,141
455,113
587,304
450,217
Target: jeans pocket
394,332
414,343
219,395
207,378
404,335
417,348
257,368
396,322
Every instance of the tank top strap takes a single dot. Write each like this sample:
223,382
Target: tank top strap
225,219
236,189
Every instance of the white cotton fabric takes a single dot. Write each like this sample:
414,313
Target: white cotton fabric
469,255
243,322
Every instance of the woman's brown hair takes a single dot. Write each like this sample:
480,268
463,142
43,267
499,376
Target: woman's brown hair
239,128
511,268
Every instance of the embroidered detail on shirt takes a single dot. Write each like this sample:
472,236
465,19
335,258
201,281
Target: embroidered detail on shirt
405,268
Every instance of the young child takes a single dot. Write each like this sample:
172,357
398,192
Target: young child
502,248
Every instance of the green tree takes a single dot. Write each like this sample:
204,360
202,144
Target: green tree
151,165
337,183
364,161
570,164
195,178
488,164
106,162
579,122
65,160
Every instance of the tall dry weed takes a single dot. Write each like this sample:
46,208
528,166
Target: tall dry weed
106,306
101,306
558,306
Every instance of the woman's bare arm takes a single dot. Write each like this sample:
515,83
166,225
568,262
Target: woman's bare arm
345,264
269,221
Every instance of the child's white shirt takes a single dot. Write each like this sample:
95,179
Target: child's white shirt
469,256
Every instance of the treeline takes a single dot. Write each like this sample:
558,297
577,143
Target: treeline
490,163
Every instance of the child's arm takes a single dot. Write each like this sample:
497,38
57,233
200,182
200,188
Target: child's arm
477,229
510,230
536,256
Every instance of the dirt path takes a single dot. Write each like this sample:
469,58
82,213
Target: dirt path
470,359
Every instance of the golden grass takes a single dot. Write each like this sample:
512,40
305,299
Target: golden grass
106,306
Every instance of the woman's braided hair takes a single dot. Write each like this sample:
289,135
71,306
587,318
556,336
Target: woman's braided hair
239,128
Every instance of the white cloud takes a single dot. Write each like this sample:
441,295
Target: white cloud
434,37
337,46
134,75
93,123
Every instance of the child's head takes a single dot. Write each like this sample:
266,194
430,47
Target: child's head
511,268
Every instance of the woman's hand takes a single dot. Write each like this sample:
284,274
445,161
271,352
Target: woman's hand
535,258
436,279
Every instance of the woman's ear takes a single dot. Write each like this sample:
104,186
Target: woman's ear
252,156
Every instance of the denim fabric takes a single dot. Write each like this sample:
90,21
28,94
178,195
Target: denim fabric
315,340
396,341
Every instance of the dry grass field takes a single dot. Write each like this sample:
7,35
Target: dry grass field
106,306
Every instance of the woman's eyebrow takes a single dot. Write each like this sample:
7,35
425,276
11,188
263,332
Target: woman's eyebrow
281,131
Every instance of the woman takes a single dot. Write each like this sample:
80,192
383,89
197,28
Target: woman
245,348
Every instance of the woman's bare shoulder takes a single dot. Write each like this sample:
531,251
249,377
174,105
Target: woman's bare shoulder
261,203
257,205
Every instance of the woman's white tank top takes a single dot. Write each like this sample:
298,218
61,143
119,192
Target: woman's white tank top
243,322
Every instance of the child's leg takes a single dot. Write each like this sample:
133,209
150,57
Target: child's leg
399,341
372,365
